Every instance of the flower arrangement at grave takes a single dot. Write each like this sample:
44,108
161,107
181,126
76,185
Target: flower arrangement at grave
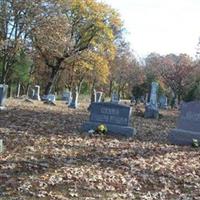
101,129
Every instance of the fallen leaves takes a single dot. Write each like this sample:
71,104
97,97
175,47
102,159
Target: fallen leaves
47,157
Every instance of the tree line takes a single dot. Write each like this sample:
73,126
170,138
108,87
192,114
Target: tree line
70,44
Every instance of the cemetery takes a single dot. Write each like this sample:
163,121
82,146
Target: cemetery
84,116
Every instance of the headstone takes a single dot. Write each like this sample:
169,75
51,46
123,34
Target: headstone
1,146
188,126
142,99
51,98
74,100
3,95
31,93
151,109
163,102
36,95
146,98
115,98
99,97
114,116
133,100
68,97
93,96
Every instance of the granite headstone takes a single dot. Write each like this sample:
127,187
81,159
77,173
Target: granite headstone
188,126
116,118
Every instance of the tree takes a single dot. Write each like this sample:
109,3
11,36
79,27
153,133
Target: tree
125,70
78,26
175,71
17,18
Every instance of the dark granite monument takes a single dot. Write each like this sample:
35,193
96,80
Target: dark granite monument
188,126
116,118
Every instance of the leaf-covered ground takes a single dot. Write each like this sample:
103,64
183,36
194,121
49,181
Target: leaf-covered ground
47,157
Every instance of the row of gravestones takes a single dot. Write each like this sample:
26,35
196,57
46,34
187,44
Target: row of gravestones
67,96
117,118
162,101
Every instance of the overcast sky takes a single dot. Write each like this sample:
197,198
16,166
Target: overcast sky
162,26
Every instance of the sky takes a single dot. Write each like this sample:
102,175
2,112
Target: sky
161,26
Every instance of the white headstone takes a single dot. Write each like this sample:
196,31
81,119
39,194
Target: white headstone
3,95
1,146
153,96
151,109
51,98
67,96
99,96
36,95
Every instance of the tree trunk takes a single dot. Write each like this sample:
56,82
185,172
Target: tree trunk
74,101
4,71
18,90
10,89
27,89
119,91
93,95
51,82
110,88
173,102
179,99
79,86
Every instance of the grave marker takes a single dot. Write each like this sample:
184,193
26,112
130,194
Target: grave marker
116,118
188,126
115,98
3,95
151,109
1,146
99,96
36,95
163,102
